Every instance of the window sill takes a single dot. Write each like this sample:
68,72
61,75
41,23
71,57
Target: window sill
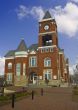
47,66
33,67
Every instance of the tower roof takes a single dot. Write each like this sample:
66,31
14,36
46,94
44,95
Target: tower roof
47,15
22,46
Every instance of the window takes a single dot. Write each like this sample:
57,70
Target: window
48,74
33,61
51,49
18,69
47,62
42,50
47,40
9,65
9,77
46,49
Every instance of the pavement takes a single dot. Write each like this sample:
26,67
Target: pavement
52,99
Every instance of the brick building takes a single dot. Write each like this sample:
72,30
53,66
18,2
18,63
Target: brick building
41,63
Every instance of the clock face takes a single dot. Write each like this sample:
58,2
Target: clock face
46,27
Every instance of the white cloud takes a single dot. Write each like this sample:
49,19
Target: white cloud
74,1
2,64
22,11
36,12
66,17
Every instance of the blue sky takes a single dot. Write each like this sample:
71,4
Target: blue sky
19,19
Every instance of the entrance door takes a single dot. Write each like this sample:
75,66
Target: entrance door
33,78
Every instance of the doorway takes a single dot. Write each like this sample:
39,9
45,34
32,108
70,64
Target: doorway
33,78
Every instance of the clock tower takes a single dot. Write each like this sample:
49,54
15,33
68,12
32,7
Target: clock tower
47,31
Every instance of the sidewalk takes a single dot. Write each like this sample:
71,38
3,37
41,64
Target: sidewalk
53,99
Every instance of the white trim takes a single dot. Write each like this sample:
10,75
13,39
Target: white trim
24,69
21,56
20,53
46,19
16,57
47,32
47,46
32,52
9,58
60,52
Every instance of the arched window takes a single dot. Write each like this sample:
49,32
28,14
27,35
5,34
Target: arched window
10,65
47,62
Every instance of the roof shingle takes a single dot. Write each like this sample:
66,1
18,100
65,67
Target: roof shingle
10,53
22,46
33,47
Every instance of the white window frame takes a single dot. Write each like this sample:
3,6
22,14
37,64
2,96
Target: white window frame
47,73
46,62
31,61
51,49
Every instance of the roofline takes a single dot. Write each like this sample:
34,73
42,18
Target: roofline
51,32
47,46
46,19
